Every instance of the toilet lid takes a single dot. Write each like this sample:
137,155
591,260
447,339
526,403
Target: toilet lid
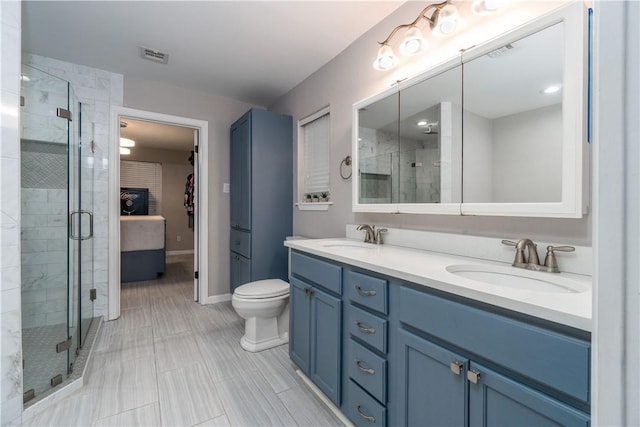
263,289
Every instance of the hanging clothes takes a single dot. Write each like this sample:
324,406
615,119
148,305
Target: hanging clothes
188,198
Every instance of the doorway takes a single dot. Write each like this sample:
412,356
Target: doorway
163,146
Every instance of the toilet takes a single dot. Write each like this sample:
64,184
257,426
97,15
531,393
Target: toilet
264,305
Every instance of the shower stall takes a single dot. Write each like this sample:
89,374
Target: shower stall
56,230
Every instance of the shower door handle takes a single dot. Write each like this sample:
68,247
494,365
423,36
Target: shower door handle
71,226
72,223
90,235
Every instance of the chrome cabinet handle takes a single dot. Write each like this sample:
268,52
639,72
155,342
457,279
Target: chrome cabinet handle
363,369
456,367
473,376
364,328
365,416
362,292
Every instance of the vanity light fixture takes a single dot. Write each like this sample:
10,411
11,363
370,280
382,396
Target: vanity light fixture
126,142
125,151
443,20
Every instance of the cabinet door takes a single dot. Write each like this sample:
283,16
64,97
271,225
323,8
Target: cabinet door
240,270
299,323
240,177
497,400
432,384
326,338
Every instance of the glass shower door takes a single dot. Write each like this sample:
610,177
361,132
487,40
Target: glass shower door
45,179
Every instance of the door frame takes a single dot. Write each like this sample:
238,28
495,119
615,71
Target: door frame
202,214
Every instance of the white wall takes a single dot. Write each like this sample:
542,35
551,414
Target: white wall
349,78
477,175
220,113
10,306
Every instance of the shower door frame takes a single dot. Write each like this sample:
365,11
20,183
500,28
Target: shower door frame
202,213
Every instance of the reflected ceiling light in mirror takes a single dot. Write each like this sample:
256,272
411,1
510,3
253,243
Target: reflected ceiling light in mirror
126,142
485,7
443,19
551,89
124,151
422,123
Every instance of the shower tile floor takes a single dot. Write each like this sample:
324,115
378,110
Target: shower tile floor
170,361
41,360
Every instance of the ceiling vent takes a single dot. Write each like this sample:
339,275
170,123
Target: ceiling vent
154,55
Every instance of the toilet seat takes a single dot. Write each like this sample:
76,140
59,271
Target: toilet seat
261,289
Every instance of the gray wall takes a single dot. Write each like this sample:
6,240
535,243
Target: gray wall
175,168
220,113
349,78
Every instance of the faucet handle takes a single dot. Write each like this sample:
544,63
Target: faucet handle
509,243
379,232
550,260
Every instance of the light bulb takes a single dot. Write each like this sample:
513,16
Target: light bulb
386,59
413,42
125,151
485,7
445,20
551,89
126,142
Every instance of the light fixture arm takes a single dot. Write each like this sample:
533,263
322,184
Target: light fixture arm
422,15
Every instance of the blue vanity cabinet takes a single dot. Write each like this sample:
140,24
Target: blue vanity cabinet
366,337
315,322
497,400
491,368
261,178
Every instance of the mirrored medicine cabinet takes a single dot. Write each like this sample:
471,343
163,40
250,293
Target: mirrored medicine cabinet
499,130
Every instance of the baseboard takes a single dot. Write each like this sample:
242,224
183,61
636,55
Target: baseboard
332,407
183,252
213,299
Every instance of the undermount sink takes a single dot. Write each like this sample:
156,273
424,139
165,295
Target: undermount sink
347,244
517,279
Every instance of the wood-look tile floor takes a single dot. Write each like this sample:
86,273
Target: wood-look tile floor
168,361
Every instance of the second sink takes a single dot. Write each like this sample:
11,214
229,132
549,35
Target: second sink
512,278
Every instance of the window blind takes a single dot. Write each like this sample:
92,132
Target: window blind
144,175
316,154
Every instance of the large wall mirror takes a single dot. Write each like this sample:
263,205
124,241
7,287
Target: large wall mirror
501,134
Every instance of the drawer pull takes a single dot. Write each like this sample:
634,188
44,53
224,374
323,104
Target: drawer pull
365,416
473,376
364,328
362,292
363,369
456,367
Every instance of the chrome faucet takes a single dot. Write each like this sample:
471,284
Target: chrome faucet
369,233
532,262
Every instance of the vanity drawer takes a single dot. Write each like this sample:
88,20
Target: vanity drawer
369,328
240,242
545,356
322,273
368,291
368,370
363,409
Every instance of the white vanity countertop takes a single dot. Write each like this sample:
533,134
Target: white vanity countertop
429,269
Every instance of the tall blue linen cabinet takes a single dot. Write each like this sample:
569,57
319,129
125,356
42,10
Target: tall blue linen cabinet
261,196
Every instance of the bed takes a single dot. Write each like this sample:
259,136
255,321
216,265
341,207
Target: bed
142,247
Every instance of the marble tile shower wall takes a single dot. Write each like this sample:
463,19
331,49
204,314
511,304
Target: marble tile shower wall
97,90
11,345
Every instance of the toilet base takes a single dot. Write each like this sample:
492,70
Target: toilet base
262,334
254,347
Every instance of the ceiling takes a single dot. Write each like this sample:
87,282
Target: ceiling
252,51
157,135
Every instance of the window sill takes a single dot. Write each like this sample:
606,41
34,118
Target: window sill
314,206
